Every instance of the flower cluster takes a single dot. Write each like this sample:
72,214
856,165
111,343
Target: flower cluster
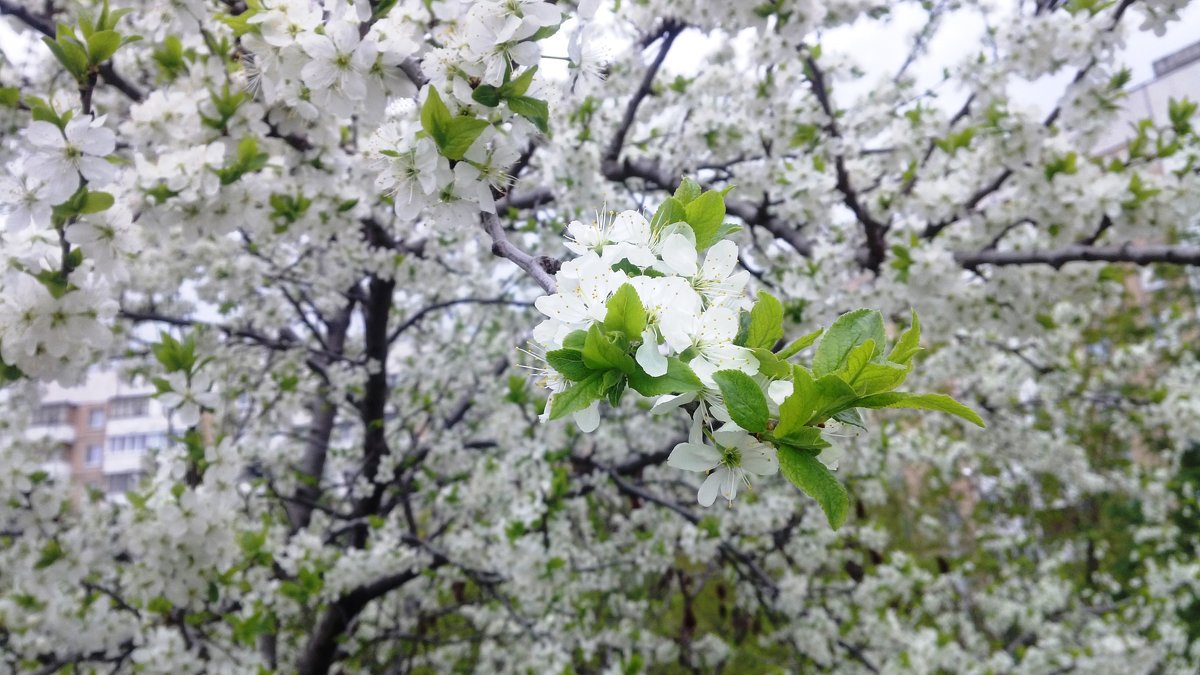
638,310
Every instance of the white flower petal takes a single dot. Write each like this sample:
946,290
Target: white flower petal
694,457
680,255
720,260
760,462
649,357
709,488
669,402
588,419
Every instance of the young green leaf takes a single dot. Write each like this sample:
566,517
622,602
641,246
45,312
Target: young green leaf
95,202
519,85
533,109
766,322
577,397
600,352
847,332
102,45
705,214
907,345
435,117
678,379
461,132
832,395
575,340
856,360
687,191
800,344
486,94
938,402
798,408
625,312
810,475
877,378
70,54
614,391
770,365
805,438
670,211
569,363
744,398
852,417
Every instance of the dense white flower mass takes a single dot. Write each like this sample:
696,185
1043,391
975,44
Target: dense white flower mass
321,235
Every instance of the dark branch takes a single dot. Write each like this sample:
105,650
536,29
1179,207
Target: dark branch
1056,258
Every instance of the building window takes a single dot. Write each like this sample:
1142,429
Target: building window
137,442
120,483
135,406
96,418
49,415
95,455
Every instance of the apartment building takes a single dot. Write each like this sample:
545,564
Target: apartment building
1176,76
99,434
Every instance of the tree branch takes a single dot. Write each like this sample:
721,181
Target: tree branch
1056,258
875,231
541,268
669,31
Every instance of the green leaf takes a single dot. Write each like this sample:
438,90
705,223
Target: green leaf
453,135
435,117
577,397
744,398
569,363
727,229
460,134
800,344
705,214
804,438
486,94
97,202
70,55
876,378
766,322
533,109
678,379
687,191
938,402
519,85
51,553
616,389
669,212
55,281
102,45
852,417
856,360
832,395
908,344
770,365
10,97
575,340
382,7
810,475
847,332
601,352
175,355
798,408
625,312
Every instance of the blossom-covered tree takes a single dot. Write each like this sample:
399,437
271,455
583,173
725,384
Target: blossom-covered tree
340,236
